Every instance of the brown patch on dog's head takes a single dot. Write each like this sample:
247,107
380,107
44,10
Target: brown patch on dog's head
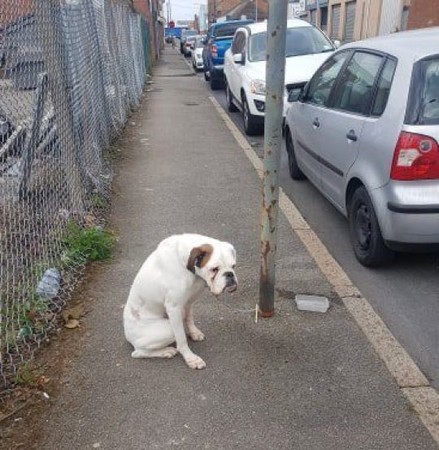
199,257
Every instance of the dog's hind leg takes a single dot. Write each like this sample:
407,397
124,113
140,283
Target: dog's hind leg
155,340
167,352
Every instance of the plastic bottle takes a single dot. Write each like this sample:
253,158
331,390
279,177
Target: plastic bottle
49,285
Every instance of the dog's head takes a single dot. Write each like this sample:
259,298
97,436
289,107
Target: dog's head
216,265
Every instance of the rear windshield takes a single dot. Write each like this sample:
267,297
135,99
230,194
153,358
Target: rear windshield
425,93
226,30
187,33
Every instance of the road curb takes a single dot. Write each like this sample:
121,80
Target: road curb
412,382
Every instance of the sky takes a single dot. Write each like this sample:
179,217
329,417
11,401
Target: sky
183,9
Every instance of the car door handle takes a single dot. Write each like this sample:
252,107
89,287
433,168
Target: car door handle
316,123
352,136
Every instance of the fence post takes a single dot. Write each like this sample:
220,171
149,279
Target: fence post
48,22
275,79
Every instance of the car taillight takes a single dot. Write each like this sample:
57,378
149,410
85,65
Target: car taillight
214,50
416,157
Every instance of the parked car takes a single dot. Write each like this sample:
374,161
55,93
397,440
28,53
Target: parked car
245,63
365,132
184,35
197,53
218,40
187,49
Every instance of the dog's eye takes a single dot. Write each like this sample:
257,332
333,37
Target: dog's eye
233,266
215,269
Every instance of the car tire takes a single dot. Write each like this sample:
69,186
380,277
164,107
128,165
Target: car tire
365,233
295,172
231,107
215,83
251,126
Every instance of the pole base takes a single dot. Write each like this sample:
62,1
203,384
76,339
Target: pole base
266,314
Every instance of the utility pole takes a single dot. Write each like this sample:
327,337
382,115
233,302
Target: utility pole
274,98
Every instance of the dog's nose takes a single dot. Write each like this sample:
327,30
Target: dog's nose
229,275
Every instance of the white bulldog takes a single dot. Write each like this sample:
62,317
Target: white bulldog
158,311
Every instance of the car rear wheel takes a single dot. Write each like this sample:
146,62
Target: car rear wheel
215,83
295,172
251,125
365,233
231,107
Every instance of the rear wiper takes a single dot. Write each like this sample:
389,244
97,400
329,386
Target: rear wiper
422,109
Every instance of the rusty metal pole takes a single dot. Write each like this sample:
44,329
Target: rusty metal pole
275,79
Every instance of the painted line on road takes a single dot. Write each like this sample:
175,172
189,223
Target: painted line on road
412,382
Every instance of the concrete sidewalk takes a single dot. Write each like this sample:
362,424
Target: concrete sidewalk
297,381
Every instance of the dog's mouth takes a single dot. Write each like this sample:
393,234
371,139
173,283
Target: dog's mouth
231,288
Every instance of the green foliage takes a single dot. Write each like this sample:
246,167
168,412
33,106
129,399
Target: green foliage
25,376
98,201
87,244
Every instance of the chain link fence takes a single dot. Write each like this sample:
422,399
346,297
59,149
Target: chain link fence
70,73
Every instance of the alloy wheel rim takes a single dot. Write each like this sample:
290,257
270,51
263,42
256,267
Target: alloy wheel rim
363,227
245,114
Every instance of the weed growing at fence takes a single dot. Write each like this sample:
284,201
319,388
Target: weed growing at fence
86,244
98,201
25,376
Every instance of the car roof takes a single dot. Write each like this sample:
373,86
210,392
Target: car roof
415,44
260,27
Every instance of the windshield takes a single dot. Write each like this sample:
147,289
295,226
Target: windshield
199,43
299,41
429,102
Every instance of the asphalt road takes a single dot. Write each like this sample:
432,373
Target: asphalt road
405,294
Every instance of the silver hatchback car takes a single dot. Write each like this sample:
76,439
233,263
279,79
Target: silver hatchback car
365,132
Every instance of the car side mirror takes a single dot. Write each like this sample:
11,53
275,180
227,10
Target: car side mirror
336,43
238,58
295,94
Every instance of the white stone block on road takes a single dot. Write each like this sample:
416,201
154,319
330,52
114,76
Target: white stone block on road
313,303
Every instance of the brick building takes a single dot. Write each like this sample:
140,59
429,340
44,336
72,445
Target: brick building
351,20
423,13
13,11
234,9
151,10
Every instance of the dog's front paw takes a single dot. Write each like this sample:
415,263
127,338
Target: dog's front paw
196,335
195,362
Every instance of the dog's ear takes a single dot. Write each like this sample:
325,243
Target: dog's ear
199,257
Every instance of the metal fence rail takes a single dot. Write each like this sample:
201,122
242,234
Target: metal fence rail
70,73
